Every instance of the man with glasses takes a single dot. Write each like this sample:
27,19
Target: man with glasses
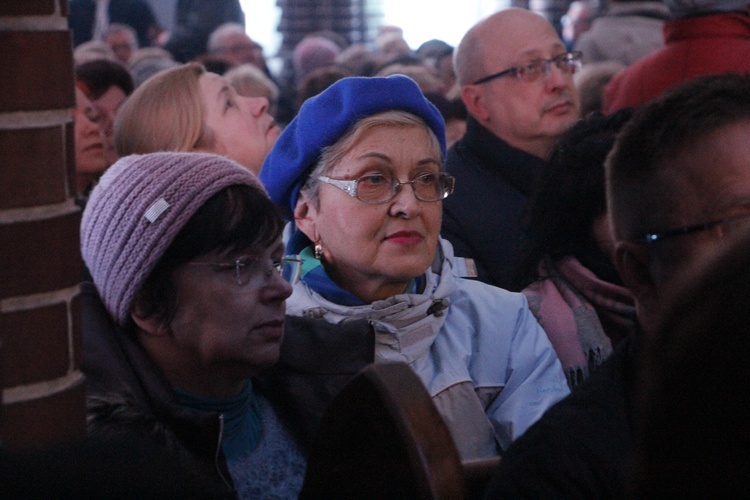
516,79
678,184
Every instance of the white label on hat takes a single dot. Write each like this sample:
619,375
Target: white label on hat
155,210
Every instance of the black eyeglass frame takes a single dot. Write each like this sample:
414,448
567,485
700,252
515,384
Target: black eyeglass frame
693,228
568,57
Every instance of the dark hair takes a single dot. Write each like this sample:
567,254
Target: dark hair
569,195
236,219
449,108
690,110
101,74
412,59
435,48
213,64
319,79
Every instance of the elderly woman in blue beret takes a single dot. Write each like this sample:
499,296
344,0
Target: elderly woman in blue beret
360,171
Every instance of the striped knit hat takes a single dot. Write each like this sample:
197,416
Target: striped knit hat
137,209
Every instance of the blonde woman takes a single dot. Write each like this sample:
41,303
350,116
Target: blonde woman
187,109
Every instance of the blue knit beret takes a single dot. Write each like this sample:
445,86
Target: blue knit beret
324,119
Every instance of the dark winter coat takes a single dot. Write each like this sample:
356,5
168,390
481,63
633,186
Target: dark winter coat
482,218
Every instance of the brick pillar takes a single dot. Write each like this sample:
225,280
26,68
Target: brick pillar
42,395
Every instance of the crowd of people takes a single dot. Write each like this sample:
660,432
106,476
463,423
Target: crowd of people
530,220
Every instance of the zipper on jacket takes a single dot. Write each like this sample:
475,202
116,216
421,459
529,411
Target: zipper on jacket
217,455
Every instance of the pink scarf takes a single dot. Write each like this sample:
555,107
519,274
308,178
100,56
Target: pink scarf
582,314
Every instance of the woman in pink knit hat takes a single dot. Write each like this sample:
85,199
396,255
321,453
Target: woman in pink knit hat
185,254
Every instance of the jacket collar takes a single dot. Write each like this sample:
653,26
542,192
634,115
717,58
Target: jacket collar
405,325
485,150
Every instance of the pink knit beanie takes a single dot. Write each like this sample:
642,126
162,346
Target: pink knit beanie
137,209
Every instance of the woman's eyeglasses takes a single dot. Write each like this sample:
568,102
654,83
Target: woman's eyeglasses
256,269
379,188
568,63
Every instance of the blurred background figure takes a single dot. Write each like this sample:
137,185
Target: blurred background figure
702,37
591,82
250,81
311,53
89,19
123,40
390,44
93,50
148,61
231,43
418,71
320,79
358,59
107,84
577,19
626,31
447,73
90,150
194,22
315,50
454,114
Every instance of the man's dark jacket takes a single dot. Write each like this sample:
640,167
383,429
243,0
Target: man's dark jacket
482,218
580,448
128,397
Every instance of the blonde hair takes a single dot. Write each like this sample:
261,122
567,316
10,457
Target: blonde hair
250,81
333,154
165,113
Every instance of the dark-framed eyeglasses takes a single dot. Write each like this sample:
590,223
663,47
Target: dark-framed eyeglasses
568,63
255,269
378,188
722,225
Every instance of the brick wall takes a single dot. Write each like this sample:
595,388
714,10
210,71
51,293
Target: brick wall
42,387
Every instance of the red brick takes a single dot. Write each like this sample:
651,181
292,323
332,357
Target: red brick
35,345
42,70
77,339
70,157
27,7
33,164
45,255
44,422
